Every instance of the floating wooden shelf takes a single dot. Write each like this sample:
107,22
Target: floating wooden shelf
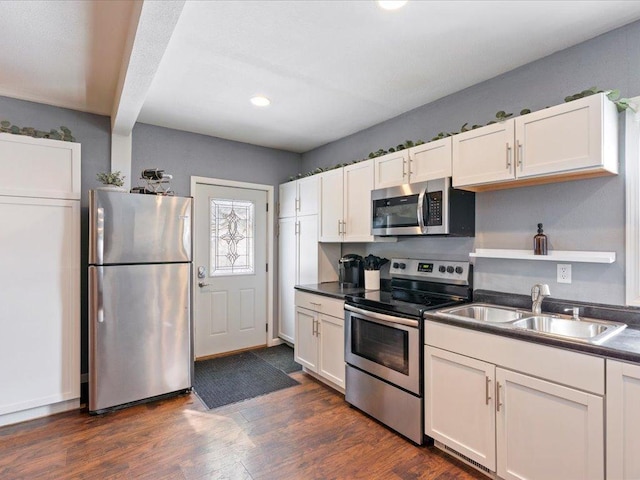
553,256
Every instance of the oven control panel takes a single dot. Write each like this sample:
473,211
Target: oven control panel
445,271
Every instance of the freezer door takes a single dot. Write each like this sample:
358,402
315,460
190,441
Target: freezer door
140,343
134,228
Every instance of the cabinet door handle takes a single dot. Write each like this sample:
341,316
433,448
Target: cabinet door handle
297,204
487,390
339,227
498,402
508,156
404,171
344,228
519,154
296,231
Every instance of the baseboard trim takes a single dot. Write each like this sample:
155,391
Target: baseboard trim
38,412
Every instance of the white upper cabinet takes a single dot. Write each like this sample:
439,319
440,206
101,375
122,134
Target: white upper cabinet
345,203
573,140
299,197
416,164
484,155
358,183
48,168
287,198
430,161
391,169
308,195
331,205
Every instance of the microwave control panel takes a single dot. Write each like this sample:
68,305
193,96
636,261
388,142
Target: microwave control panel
434,209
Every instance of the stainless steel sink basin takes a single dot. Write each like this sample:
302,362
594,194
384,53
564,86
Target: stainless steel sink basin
586,330
483,313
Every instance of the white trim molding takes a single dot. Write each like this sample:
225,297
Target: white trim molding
272,333
632,189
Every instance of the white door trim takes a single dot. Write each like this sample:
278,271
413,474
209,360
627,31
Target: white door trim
272,336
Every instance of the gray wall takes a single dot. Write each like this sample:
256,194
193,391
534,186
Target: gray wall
580,215
184,154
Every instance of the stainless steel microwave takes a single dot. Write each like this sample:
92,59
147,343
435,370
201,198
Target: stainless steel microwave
425,208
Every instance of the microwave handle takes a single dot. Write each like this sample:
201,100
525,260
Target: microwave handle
423,210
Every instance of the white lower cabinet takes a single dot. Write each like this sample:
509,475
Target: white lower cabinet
319,337
459,407
623,420
515,409
545,430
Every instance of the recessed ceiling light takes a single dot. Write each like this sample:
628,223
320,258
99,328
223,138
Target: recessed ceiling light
260,101
392,4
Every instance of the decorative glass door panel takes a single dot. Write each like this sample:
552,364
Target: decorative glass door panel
232,237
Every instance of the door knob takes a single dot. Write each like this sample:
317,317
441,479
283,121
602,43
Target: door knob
202,284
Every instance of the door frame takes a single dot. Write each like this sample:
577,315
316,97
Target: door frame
271,336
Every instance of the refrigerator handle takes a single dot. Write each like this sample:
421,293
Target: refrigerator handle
96,306
99,235
186,234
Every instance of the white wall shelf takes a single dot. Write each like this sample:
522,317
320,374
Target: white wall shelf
553,256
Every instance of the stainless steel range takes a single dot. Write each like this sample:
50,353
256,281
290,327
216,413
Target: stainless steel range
384,340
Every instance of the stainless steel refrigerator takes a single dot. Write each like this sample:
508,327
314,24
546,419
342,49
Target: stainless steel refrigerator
140,320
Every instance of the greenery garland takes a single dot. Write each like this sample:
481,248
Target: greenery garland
622,104
64,134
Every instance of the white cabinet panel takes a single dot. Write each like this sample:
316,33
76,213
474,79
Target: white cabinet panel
331,205
358,183
331,349
287,199
308,195
545,430
391,169
623,420
430,161
36,167
484,155
306,340
459,404
39,294
287,276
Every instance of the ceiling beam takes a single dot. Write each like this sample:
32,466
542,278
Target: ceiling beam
152,24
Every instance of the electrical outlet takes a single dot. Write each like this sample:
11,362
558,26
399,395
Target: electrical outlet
564,273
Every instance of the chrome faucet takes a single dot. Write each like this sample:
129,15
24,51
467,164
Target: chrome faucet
538,292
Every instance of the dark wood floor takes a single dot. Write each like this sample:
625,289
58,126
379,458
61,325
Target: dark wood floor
303,432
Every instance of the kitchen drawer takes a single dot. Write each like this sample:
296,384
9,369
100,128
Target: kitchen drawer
320,303
573,369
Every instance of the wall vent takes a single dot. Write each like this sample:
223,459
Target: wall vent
465,459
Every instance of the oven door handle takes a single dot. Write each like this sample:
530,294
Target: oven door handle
384,318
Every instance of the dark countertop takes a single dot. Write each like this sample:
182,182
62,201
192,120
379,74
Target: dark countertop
330,289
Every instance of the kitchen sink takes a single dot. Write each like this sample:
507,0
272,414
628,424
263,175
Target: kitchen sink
582,330
484,313
586,330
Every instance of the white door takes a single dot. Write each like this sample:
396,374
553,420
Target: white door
287,276
230,305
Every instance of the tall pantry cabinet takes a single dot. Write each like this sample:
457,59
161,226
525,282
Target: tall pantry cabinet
301,259
39,277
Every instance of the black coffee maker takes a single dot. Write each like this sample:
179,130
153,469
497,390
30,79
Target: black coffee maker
351,271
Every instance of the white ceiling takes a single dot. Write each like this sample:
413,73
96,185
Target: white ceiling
331,68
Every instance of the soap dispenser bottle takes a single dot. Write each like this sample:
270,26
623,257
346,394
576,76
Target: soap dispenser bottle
540,242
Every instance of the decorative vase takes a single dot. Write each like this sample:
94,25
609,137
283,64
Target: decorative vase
112,188
372,279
